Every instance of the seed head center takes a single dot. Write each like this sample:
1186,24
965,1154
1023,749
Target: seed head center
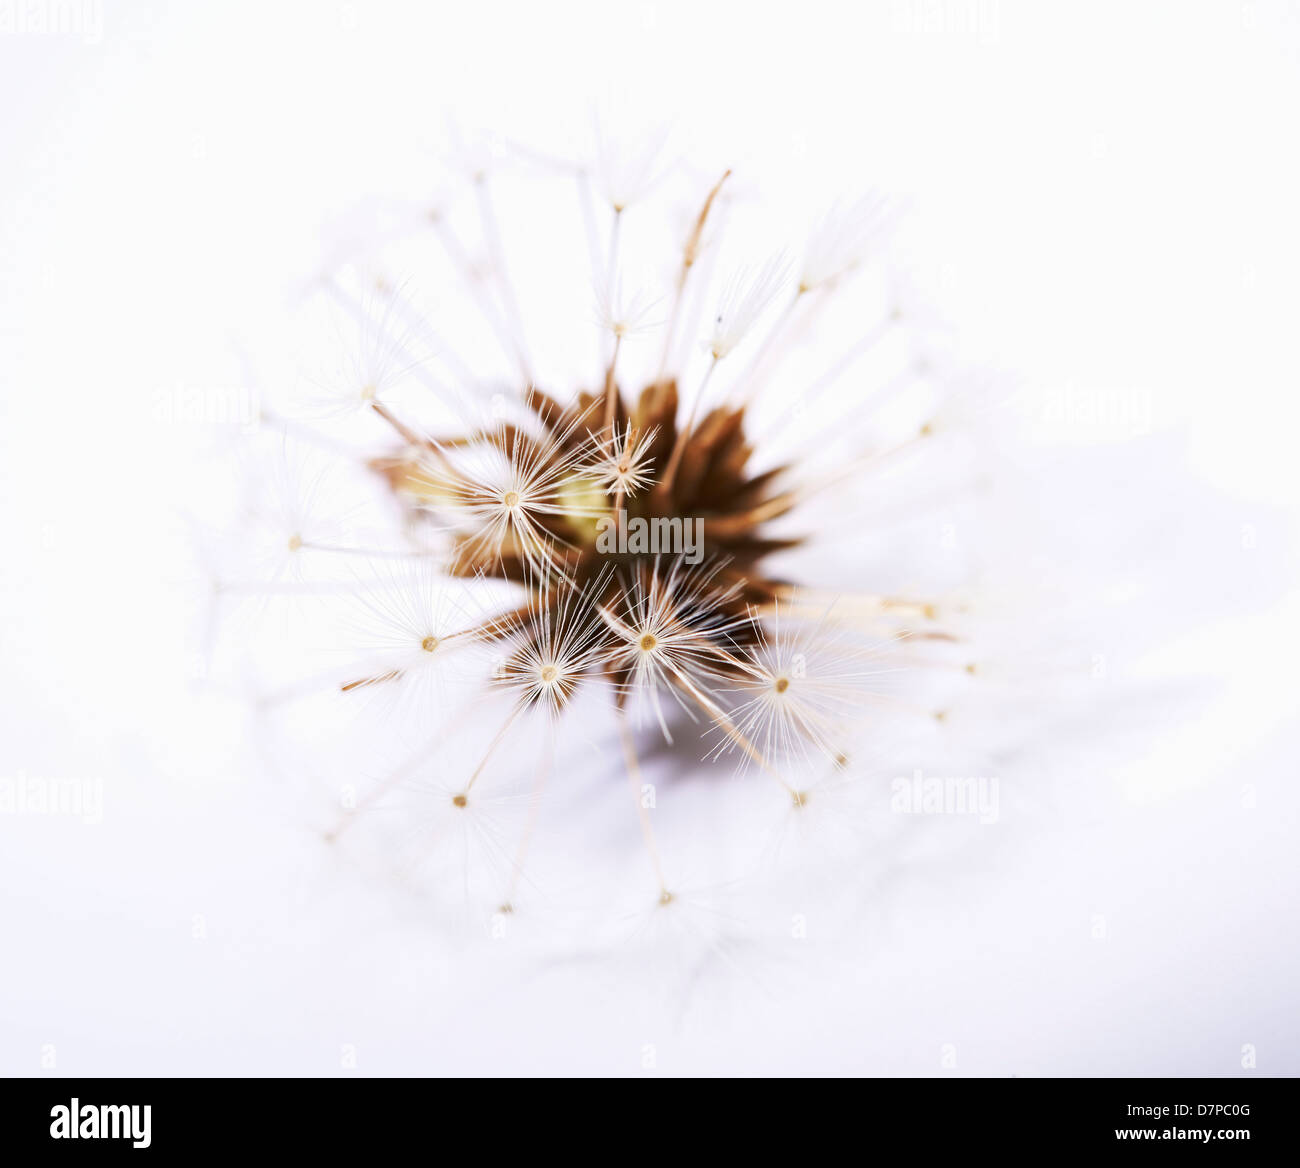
429,644
649,641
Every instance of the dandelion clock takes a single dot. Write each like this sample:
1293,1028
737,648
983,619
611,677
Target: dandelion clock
614,569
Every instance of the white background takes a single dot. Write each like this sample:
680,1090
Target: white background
1112,189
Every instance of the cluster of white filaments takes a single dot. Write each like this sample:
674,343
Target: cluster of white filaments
671,636
620,462
503,513
503,506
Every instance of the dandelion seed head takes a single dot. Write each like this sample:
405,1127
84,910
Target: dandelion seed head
611,654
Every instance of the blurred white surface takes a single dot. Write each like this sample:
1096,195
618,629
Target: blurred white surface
1109,197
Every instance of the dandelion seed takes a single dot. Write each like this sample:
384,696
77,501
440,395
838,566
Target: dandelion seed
805,686
672,633
557,647
622,463
623,316
626,172
407,629
511,503
745,300
376,348
842,240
